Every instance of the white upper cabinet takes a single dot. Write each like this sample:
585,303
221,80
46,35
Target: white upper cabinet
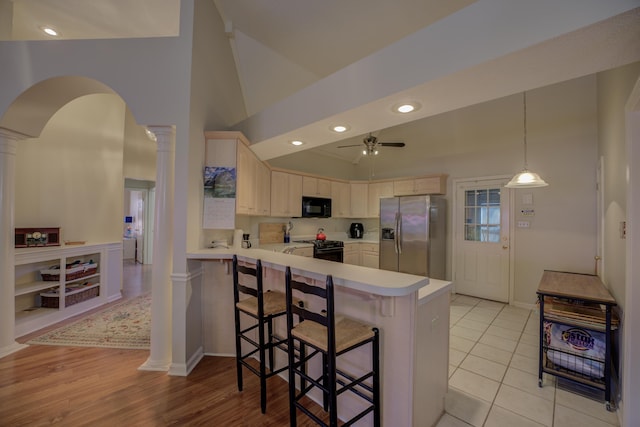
378,190
263,189
359,199
436,184
286,194
340,199
230,149
246,173
316,187
263,192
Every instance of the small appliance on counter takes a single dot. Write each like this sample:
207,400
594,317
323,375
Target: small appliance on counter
237,238
246,244
356,231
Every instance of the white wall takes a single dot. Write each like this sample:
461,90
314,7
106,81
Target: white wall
614,88
216,103
139,151
71,176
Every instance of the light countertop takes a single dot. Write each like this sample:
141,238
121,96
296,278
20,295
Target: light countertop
364,279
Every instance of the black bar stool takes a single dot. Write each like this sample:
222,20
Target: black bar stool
263,307
330,338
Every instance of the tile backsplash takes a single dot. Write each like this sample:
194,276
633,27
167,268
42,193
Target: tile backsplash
303,228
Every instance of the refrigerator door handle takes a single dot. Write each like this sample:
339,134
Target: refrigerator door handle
395,233
399,232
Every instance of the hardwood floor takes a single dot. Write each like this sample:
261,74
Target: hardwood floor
75,386
78,386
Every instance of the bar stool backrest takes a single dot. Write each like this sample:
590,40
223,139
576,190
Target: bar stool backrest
247,288
325,316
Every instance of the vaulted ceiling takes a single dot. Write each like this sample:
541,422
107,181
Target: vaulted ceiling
305,66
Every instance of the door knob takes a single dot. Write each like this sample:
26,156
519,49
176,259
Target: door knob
505,247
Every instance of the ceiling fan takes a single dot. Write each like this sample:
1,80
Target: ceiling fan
371,145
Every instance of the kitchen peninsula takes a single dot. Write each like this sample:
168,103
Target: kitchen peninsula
412,313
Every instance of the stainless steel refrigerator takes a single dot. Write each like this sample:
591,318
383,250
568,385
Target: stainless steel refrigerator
412,235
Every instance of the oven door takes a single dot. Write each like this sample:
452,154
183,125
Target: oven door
330,254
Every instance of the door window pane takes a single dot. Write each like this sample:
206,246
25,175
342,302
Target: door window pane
482,215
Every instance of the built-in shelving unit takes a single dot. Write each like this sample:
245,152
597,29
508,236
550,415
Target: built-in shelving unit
54,283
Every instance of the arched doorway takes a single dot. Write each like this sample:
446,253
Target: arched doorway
62,153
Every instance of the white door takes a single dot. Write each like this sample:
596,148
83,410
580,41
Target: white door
141,224
482,239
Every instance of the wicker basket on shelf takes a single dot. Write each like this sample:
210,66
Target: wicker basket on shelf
71,272
47,300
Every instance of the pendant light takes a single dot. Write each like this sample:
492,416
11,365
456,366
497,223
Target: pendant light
526,178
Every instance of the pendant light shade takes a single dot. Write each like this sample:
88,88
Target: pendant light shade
526,178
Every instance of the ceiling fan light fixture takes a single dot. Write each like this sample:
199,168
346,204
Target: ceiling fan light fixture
526,178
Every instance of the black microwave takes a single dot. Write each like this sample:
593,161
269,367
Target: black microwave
316,207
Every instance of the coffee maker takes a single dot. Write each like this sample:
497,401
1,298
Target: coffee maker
356,231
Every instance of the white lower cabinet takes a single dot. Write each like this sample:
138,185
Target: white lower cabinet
370,255
351,253
363,254
308,252
55,283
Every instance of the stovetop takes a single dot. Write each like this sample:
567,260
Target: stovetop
322,244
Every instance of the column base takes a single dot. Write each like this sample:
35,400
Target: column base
155,365
11,348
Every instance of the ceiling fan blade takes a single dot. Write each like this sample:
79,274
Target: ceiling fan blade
391,144
346,146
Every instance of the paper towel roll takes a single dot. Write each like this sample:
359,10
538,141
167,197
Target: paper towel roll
237,238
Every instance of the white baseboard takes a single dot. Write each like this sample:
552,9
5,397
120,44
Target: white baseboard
184,369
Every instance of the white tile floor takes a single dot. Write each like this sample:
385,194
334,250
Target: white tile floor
493,373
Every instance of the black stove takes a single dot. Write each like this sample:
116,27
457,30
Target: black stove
323,243
332,250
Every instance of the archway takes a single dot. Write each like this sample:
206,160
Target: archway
37,120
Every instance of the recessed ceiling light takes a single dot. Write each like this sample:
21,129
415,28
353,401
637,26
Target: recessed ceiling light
296,142
50,31
340,128
406,107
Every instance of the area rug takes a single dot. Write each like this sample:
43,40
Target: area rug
125,325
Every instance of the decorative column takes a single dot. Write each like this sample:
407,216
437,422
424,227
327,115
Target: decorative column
8,144
160,354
